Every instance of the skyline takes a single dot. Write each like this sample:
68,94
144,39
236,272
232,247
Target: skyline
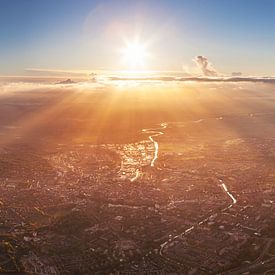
91,35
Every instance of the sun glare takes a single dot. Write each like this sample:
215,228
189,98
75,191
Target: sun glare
135,55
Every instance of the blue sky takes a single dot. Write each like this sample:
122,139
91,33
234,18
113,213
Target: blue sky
235,35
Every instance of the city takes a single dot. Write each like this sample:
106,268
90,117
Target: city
202,208
137,137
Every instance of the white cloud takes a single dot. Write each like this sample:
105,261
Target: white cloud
205,66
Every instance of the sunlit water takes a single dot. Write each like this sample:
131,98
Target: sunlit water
155,133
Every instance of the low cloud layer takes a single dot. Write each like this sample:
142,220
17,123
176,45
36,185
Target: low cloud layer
270,80
27,85
204,65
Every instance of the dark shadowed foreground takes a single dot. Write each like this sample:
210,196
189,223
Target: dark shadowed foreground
137,178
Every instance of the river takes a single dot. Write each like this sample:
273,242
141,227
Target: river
152,134
155,132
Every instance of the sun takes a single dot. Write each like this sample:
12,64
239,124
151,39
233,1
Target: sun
135,55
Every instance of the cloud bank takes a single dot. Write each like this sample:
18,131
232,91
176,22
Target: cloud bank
197,79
